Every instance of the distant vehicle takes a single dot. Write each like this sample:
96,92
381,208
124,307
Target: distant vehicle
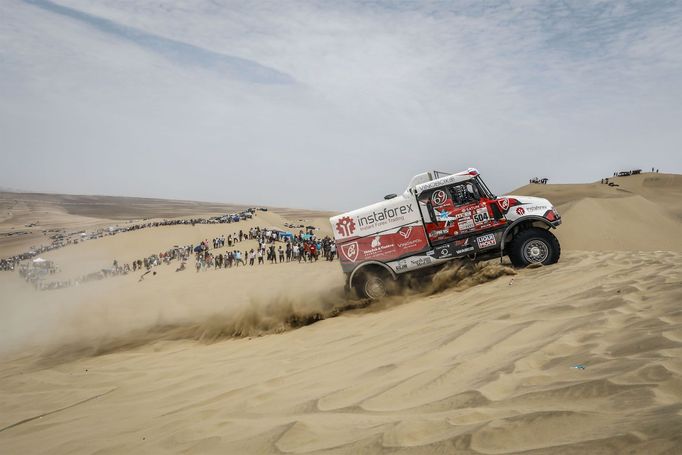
263,209
627,173
441,217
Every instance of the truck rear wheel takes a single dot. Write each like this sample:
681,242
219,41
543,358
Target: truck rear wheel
374,284
534,245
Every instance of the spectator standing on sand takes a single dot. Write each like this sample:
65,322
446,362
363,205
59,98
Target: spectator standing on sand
305,252
281,254
260,256
332,251
252,257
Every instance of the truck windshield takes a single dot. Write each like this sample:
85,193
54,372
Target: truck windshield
485,191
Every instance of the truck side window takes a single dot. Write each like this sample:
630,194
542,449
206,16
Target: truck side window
473,190
425,203
464,193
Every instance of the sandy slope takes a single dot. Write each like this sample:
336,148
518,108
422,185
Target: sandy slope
175,363
484,370
643,213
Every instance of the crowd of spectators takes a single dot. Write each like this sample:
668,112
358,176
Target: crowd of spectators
223,252
273,246
62,240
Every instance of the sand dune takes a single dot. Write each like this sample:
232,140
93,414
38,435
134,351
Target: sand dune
643,225
644,213
661,189
483,370
481,361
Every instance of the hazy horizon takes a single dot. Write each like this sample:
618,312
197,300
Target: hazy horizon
331,105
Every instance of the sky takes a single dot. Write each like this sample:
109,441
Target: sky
332,104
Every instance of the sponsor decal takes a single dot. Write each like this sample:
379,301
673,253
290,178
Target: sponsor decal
465,224
386,246
406,233
444,252
387,214
534,208
438,233
442,182
439,197
351,251
420,261
486,241
401,265
441,252
443,216
464,250
345,226
520,211
504,203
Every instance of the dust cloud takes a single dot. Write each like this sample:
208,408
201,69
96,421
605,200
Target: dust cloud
94,323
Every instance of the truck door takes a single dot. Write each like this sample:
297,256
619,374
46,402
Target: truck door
458,211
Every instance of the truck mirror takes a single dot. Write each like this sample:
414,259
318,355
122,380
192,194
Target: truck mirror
390,196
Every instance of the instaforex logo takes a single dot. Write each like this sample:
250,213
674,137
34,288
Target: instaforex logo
345,226
387,215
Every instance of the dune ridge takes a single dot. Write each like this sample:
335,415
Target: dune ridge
643,213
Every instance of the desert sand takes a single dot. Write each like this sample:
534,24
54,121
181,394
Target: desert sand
584,356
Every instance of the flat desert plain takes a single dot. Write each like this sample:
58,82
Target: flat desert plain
584,356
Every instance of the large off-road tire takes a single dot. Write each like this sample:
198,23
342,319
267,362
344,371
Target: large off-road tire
374,284
534,245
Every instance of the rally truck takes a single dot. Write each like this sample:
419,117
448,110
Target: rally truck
440,217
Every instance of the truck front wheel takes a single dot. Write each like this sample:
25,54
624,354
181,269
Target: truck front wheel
534,245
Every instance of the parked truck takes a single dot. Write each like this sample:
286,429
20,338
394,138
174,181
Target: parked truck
438,218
